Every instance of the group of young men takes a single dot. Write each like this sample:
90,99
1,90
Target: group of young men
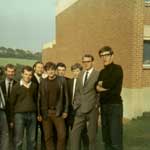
65,110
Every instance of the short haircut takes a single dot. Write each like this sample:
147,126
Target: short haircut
36,63
11,66
88,55
28,68
60,64
76,66
106,49
1,72
50,65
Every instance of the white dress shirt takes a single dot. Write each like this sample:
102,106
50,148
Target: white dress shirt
89,73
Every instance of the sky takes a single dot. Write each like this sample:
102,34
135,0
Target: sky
27,24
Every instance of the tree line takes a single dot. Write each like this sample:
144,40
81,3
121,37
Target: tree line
19,53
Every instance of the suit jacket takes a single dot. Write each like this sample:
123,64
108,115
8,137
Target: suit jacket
3,86
34,79
86,97
70,90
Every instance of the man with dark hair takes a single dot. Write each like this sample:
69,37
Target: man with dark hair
7,85
75,69
85,103
38,68
4,134
54,107
23,102
61,69
109,85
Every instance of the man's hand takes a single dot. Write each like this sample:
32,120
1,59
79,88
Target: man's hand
100,89
11,124
64,115
39,118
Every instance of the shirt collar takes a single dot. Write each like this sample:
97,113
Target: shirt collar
8,81
22,84
89,71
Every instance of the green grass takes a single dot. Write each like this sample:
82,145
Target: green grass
14,61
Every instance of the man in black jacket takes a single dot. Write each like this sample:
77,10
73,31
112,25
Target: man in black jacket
54,107
6,85
4,134
109,85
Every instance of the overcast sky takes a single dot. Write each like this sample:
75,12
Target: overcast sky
27,24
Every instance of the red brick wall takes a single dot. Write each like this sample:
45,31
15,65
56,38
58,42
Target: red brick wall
147,15
90,24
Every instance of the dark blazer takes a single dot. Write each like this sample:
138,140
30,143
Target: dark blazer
62,104
70,90
34,79
86,97
3,86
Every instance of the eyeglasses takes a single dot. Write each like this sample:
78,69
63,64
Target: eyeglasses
105,55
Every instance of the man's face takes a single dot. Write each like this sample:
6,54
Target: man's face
87,63
39,69
76,72
26,76
10,73
51,72
61,71
106,57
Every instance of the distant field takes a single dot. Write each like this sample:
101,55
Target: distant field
4,61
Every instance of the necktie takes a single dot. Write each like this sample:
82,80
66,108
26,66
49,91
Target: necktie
86,77
9,89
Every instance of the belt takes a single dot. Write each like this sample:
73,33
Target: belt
52,108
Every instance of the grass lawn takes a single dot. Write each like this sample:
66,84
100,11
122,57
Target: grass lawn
14,61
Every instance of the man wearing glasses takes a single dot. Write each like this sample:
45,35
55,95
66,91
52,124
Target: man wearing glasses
109,85
85,104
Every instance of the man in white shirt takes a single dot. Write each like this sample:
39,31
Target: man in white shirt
85,104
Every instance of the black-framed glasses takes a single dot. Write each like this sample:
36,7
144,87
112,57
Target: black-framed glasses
105,55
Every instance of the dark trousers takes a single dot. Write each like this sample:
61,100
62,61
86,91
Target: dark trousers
4,135
24,121
49,124
40,142
81,119
112,127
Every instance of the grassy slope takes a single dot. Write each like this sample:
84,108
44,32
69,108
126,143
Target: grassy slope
4,61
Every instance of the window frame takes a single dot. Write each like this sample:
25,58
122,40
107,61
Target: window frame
146,38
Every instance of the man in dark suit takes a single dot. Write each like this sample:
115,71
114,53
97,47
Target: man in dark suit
38,68
7,85
4,134
85,104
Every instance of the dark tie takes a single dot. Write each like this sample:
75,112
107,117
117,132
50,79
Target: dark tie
86,77
9,89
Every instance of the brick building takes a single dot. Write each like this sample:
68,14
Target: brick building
88,25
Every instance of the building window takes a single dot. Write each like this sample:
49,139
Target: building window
146,53
147,3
